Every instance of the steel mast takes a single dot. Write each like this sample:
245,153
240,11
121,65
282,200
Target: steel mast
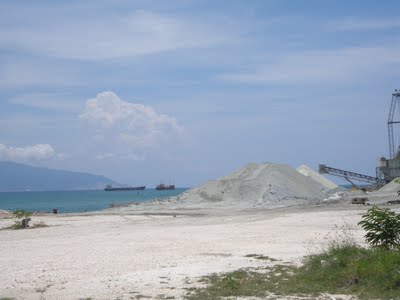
391,121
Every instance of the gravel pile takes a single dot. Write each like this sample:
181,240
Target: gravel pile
264,184
307,171
391,187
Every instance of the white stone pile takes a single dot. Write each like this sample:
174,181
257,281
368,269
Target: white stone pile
307,171
391,187
264,184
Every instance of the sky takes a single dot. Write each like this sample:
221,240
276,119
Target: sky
183,91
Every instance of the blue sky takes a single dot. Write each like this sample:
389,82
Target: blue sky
185,91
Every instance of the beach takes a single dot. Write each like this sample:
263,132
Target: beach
161,249
126,255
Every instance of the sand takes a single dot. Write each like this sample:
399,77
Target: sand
121,256
5,213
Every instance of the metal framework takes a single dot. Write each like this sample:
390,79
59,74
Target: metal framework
349,176
391,122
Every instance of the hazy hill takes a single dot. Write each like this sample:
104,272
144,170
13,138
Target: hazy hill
20,177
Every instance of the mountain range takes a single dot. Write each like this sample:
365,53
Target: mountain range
21,177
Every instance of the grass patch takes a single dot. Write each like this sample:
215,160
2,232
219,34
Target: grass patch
142,297
17,226
243,282
260,257
366,273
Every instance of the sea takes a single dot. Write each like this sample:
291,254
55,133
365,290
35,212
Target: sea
78,201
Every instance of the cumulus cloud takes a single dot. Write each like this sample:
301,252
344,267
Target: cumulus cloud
128,124
35,152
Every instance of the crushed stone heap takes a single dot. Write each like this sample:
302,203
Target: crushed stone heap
307,171
391,187
264,184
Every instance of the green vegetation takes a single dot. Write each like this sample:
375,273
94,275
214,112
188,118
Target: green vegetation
260,256
238,283
368,273
24,217
383,228
21,213
23,222
343,268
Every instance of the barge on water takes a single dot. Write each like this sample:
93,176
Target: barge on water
109,188
163,187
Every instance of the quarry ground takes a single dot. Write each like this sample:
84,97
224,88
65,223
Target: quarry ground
161,249
129,256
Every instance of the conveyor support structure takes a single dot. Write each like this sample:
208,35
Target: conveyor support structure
349,176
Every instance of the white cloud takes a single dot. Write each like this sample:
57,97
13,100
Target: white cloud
36,152
112,36
344,65
133,126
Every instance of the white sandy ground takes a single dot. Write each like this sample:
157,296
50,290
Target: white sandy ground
123,256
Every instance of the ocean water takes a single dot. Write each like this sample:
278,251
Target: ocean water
78,201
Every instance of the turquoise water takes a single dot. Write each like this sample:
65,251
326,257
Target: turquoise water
78,201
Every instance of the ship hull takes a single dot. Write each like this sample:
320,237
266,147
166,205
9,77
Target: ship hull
163,187
129,188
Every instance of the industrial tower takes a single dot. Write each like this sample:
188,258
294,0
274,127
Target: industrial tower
391,122
387,169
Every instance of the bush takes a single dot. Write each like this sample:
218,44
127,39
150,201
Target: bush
24,216
21,213
383,228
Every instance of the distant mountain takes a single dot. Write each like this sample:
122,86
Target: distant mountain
20,177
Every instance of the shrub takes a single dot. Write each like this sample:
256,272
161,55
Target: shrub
383,228
21,213
24,216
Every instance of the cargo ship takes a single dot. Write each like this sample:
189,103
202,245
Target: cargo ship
109,188
163,187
